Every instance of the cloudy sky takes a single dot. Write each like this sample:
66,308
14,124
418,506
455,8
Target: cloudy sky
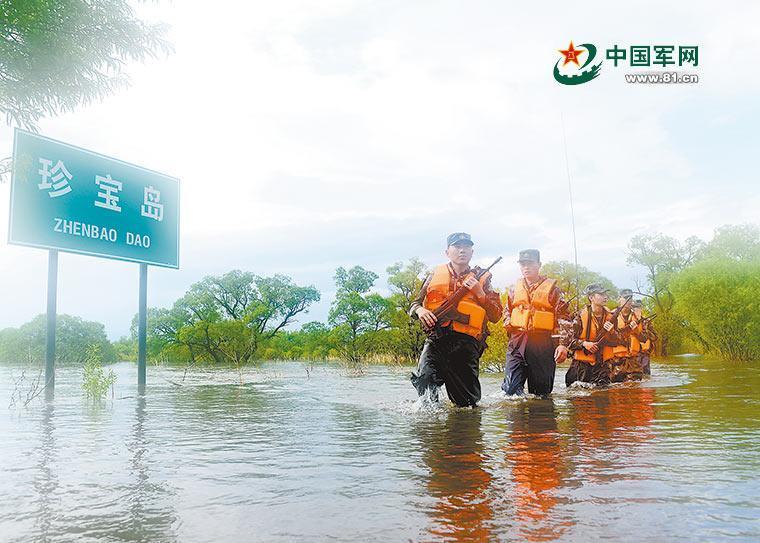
311,135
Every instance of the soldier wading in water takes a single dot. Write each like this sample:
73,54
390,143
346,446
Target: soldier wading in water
452,350
533,310
592,357
632,355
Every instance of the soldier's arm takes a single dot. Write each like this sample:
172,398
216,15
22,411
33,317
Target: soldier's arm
557,299
576,342
418,301
566,332
506,315
492,303
616,336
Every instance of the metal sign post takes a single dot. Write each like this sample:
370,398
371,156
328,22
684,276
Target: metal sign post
142,318
64,198
52,298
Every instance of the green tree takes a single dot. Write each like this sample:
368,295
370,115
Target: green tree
494,357
406,337
312,342
565,274
95,380
58,54
356,314
74,336
663,257
720,298
15,346
316,344
223,319
126,349
740,243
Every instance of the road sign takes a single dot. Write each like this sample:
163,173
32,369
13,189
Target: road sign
71,199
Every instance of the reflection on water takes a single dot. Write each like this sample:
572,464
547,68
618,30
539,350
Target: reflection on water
458,480
538,468
46,482
609,426
151,514
291,456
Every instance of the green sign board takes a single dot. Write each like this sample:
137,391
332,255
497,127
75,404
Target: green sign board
71,199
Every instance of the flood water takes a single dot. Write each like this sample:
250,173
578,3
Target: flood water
308,453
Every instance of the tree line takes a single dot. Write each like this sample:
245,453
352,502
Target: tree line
705,294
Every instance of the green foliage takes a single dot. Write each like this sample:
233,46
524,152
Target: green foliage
565,274
494,357
357,315
677,271
720,299
95,380
663,257
15,347
126,349
224,319
312,342
56,55
405,338
736,243
73,337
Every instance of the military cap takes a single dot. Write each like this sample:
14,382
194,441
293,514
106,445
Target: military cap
529,255
458,237
595,288
637,303
625,292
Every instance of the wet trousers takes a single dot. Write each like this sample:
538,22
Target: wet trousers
598,374
452,360
645,364
626,369
530,357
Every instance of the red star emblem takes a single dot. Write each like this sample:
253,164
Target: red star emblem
571,54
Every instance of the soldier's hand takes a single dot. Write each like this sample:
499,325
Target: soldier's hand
560,354
633,324
475,287
427,317
590,346
608,326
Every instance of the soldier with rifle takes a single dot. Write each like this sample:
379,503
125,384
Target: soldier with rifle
647,337
594,336
625,361
454,306
533,311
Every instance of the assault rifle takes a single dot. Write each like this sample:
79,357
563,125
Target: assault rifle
447,311
613,319
605,333
646,320
564,305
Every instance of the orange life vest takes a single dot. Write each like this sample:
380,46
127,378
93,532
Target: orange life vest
439,289
634,345
532,310
590,333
